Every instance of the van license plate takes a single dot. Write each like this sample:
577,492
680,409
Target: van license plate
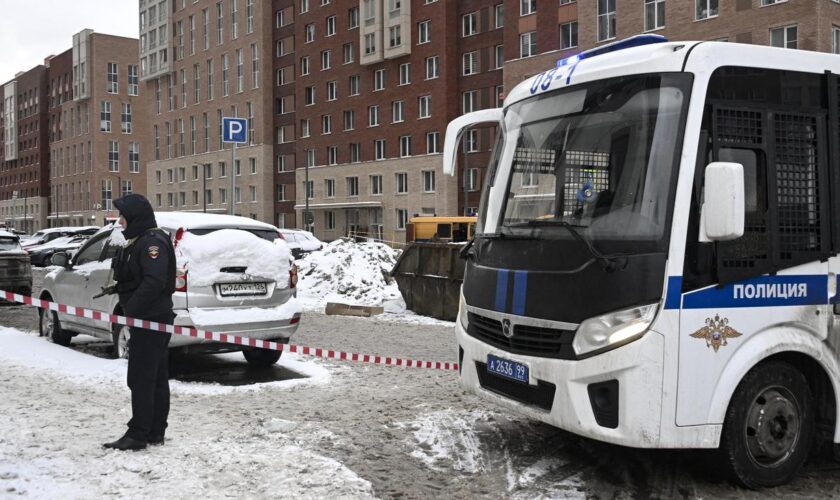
508,369
241,289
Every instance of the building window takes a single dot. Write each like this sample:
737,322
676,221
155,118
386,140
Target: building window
606,19
326,59
332,91
472,179
354,85
784,37
469,63
405,73
471,141
370,43
835,40
379,149
220,27
113,156
402,218
133,82
126,118
304,65
402,183
569,35
469,24
352,186
329,220
397,114
113,86
353,18
329,188
234,23
528,44
405,146
527,7
355,152
304,128
428,181
240,72
348,53
432,67
424,32
469,101
373,116
349,119
654,14
376,185
432,142
425,106
309,96
105,116
500,15
225,81
704,9
379,80
255,66
394,36
326,124
499,58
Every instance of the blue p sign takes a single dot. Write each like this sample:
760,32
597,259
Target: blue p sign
235,130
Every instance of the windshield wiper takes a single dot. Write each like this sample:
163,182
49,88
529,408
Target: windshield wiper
609,262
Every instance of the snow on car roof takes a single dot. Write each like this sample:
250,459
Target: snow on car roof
6,234
66,228
196,220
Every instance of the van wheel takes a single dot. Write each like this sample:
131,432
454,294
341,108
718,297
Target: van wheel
261,357
49,326
769,426
120,335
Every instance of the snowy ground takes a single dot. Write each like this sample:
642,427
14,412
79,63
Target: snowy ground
334,429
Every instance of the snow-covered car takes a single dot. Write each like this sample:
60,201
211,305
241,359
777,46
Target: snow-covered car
15,270
39,255
301,242
51,233
234,275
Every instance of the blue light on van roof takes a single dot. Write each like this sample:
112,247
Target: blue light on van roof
633,41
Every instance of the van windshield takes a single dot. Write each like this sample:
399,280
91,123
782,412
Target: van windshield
601,157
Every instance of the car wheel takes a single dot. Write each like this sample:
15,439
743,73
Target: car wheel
120,335
49,326
261,357
769,426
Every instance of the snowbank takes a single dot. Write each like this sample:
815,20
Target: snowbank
205,255
350,273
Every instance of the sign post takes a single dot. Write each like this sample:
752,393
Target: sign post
234,130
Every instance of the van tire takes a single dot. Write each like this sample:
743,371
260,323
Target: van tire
261,357
49,326
769,426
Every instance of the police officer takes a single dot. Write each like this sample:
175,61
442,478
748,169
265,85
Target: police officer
144,271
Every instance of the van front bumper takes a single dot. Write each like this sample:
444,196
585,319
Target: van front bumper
614,397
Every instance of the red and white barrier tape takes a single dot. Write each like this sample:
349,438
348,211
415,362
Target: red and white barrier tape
224,337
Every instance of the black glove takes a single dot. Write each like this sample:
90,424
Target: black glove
106,290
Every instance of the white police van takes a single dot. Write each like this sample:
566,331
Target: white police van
656,256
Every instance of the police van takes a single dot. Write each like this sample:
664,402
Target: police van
656,255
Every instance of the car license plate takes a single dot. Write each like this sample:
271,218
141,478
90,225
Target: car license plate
242,289
508,369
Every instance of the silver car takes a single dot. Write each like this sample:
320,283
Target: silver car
220,290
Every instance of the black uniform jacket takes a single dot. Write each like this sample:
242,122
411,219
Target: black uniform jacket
145,269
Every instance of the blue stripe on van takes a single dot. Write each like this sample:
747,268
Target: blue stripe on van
520,289
501,289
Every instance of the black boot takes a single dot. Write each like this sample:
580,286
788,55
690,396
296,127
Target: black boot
156,440
126,443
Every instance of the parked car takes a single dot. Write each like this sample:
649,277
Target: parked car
39,255
301,242
15,270
232,277
51,233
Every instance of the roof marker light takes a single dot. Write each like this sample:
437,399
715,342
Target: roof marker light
633,41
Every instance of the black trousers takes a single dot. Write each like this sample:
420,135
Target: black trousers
148,379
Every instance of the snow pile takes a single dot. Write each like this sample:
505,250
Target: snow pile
350,273
206,255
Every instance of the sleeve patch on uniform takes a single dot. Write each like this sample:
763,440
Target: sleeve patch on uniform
154,252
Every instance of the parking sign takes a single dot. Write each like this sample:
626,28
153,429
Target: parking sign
235,130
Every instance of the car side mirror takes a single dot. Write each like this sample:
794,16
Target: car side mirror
60,259
722,214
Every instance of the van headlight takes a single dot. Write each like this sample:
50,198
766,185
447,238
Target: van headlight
462,312
608,331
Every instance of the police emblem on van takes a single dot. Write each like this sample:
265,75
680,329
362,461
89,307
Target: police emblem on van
507,329
716,332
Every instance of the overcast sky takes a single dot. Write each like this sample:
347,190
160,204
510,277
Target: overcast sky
31,30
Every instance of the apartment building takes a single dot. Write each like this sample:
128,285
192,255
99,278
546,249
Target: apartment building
377,82
24,157
98,146
219,65
285,117
542,32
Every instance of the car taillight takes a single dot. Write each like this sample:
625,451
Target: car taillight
280,236
293,276
178,235
180,280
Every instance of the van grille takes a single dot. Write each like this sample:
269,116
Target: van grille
526,339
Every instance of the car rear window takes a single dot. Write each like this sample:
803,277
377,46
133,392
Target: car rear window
7,244
266,234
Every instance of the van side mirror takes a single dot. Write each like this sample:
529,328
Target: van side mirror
59,259
456,129
722,214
